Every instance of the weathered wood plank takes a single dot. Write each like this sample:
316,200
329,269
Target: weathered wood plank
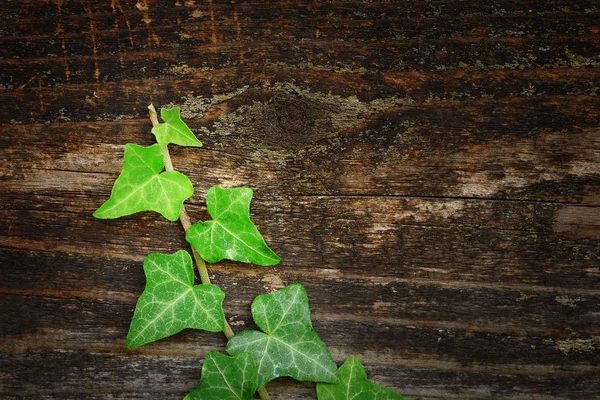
200,89
74,33
490,313
477,307
519,148
62,374
394,56
533,245
407,20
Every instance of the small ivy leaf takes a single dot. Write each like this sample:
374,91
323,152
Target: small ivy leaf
353,384
226,378
231,234
174,130
170,302
142,187
289,345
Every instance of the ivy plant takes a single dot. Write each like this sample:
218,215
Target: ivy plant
288,345
353,384
230,234
171,302
285,345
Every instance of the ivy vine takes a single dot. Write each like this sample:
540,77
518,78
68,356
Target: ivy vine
285,345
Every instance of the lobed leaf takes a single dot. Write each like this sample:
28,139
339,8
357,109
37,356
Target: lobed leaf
142,187
288,345
170,302
353,384
226,378
174,130
231,234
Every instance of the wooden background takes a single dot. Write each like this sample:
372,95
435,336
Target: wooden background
429,170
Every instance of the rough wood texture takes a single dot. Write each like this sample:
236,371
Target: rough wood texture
429,170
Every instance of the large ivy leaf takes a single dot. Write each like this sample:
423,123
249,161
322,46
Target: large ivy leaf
226,378
353,384
231,234
170,302
288,345
142,187
174,130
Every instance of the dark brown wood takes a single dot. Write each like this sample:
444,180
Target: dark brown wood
430,171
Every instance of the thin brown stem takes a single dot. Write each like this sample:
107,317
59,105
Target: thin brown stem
264,395
184,217
186,223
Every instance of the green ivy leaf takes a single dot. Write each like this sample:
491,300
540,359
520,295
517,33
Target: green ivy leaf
170,302
174,130
226,378
231,234
289,345
142,187
353,384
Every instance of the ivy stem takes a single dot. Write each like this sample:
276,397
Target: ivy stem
186,223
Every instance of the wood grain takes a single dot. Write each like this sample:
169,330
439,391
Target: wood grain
430,171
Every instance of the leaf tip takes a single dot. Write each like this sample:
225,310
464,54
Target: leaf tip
100,212
275,259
